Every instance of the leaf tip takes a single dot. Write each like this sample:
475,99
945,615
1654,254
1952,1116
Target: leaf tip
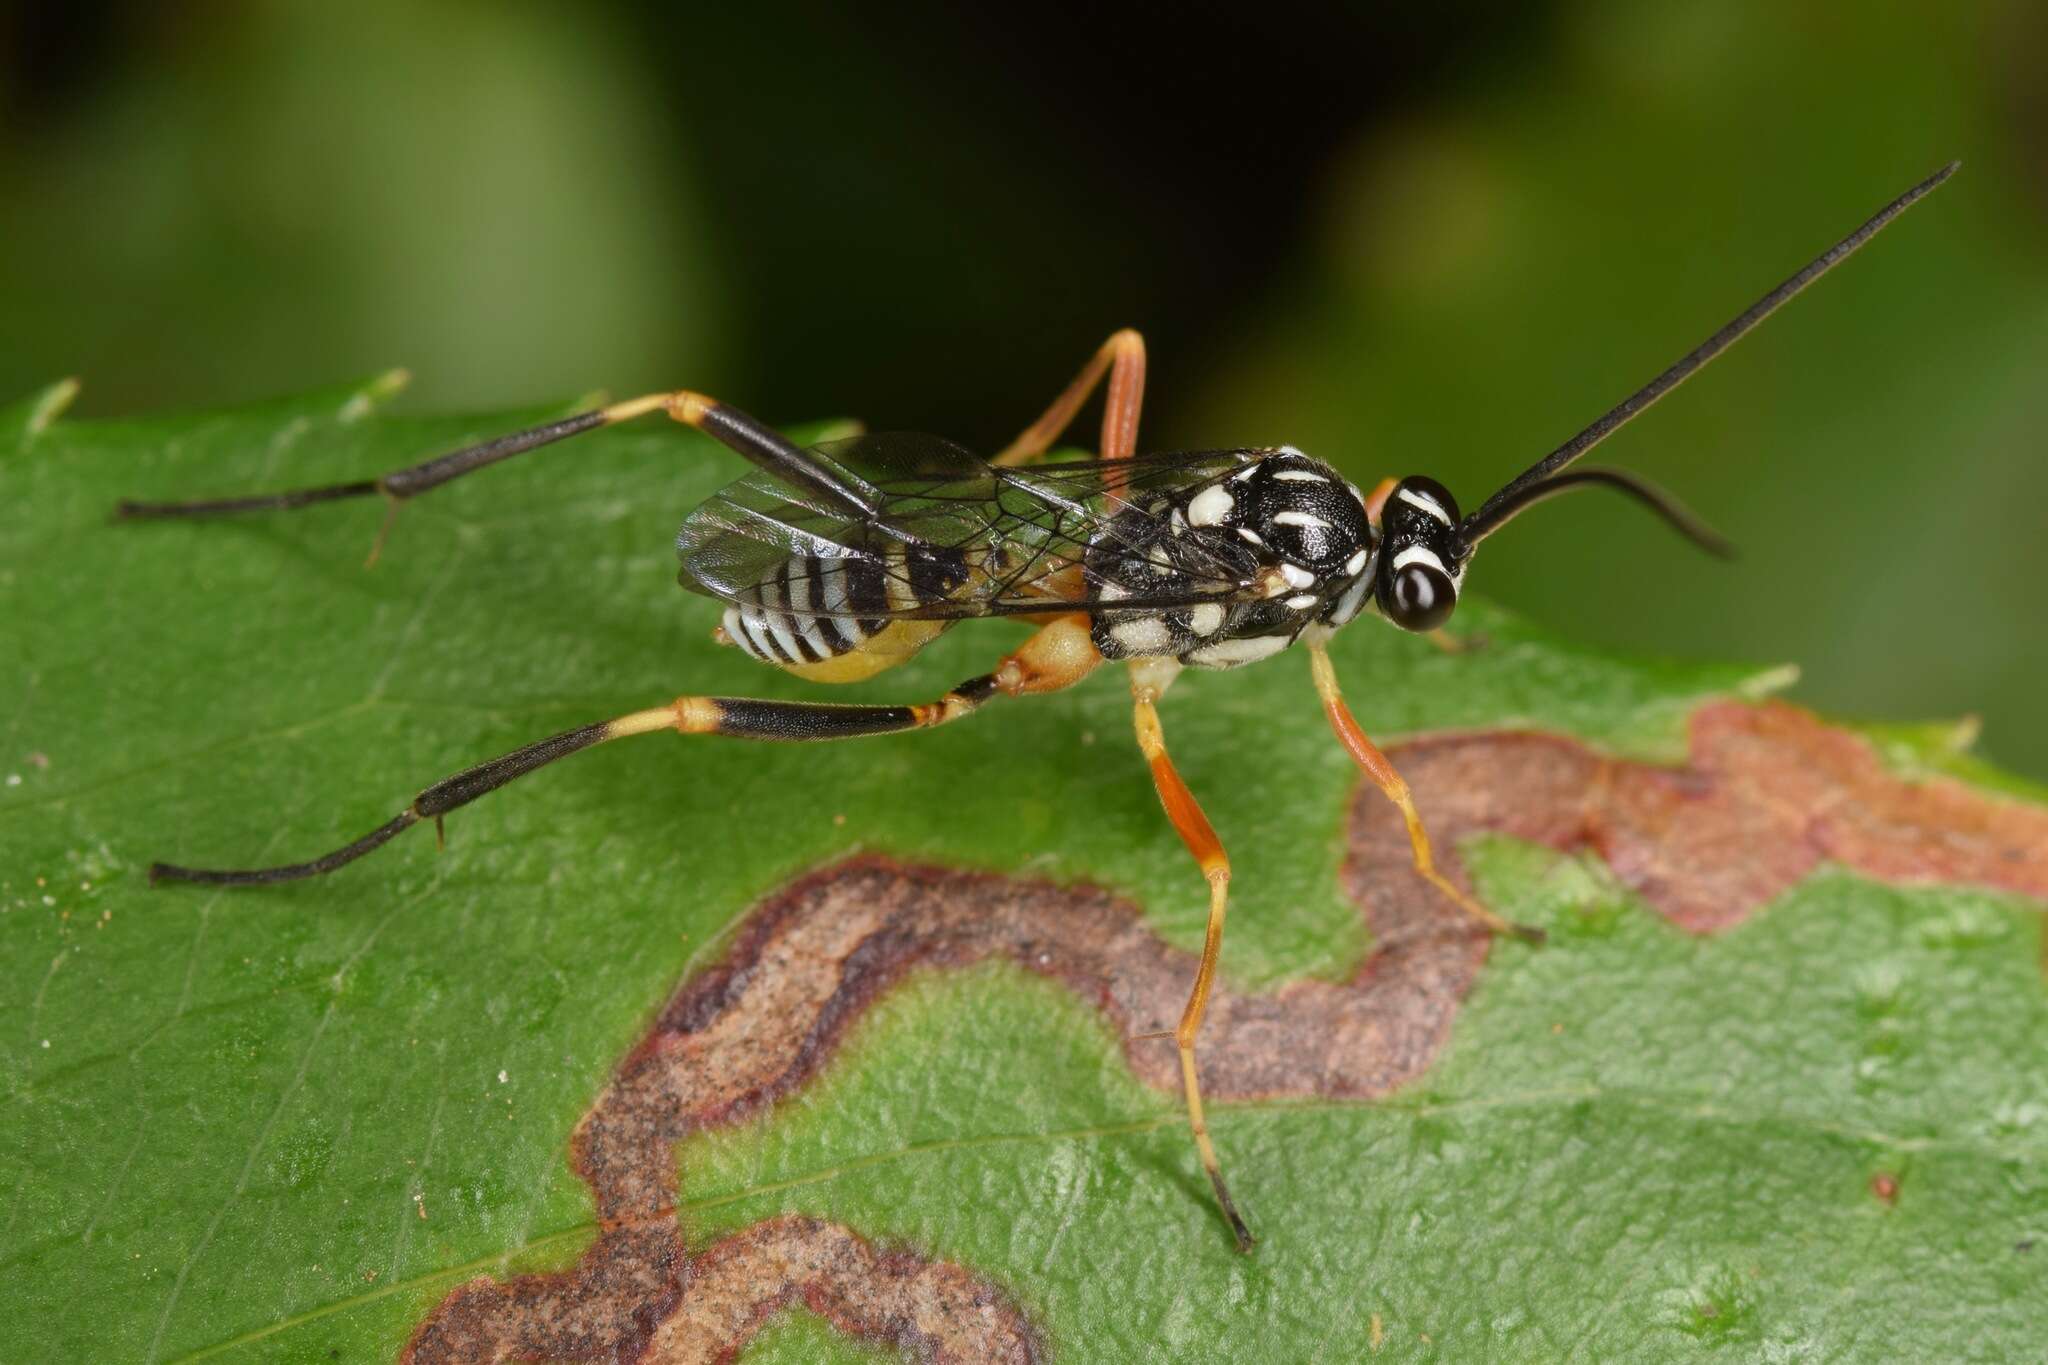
51,404
1768,682
375,394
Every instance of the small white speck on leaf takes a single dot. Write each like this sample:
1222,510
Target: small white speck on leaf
503,1078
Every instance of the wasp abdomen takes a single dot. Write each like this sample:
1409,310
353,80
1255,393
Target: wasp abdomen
841,619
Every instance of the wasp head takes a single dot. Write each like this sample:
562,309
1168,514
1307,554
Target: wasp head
1422,555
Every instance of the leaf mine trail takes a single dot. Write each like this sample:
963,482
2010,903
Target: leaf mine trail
1768,794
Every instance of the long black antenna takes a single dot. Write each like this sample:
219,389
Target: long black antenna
1675,513
1484,520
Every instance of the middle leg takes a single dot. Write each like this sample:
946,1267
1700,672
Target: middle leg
1149,678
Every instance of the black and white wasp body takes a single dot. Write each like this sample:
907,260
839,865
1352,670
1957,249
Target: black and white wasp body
1213,559
838,561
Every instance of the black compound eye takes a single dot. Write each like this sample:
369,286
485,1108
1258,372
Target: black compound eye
1419,597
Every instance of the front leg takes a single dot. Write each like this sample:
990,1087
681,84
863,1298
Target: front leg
1368,757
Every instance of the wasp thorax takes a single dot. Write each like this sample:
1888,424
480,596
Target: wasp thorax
1282,543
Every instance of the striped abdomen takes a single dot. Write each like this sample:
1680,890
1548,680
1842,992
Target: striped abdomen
840,620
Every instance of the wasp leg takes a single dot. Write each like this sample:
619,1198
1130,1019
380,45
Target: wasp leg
1377,499
1058,655
1391,784
1195,831
731,427
1457,644
1123,356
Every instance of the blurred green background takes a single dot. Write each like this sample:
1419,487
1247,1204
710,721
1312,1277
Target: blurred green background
1408,238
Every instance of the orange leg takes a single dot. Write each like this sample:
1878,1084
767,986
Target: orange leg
1390,783
1123,358
1195,831
1377,499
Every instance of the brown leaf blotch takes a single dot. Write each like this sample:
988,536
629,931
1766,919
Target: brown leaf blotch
1768,793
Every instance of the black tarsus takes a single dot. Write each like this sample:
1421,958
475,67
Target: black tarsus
128,510
399,483
1481,522
435,802
375,839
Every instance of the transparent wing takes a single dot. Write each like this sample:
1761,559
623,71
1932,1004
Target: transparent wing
956,537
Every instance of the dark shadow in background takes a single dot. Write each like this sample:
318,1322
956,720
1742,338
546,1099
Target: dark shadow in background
925,215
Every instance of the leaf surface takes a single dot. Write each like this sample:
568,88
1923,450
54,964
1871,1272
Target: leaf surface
286,1125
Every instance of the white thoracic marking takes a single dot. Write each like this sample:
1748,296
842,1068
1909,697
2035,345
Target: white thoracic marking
1146,635
1348,605
1297,577
1245,473
1418,554
1206,619
1111,591
1250,535
1230,653
1355,563
1210,506
1291,518
1292,450
1299,476
1301,601
1425,502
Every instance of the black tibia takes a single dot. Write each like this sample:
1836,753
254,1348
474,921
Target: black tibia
776,453
432,803
400,483
797,721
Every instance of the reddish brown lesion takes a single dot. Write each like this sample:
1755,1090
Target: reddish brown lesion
1768,794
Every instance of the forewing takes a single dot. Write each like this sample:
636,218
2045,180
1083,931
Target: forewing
1024,531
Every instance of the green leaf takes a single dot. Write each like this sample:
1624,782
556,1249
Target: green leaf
286,1124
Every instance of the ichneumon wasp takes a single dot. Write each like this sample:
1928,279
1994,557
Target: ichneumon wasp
844,559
